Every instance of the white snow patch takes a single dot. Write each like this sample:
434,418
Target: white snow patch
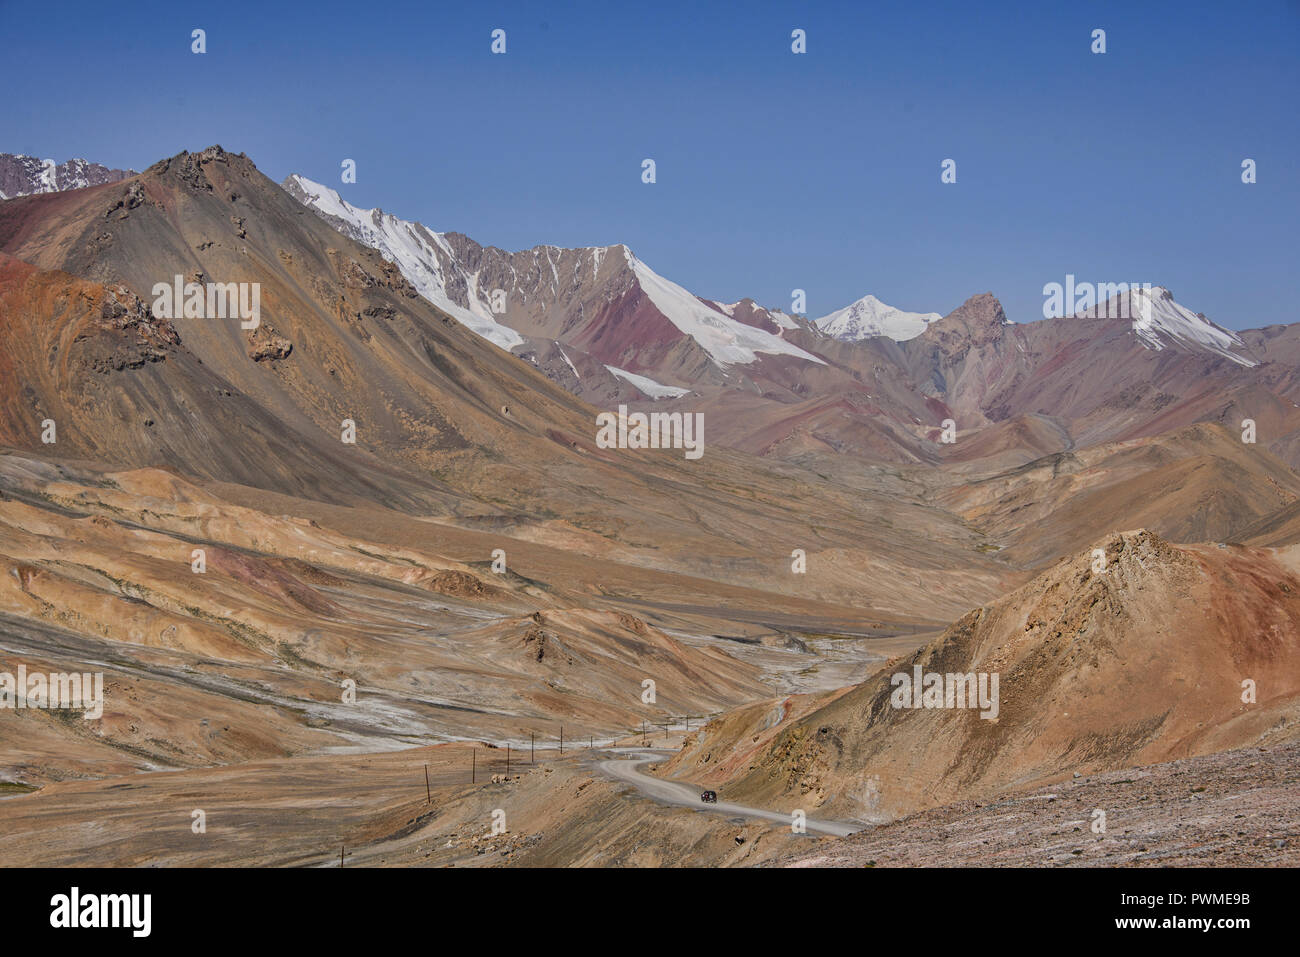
656,390
776,315
568,360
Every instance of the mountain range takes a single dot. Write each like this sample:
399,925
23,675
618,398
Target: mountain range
393,477
867,380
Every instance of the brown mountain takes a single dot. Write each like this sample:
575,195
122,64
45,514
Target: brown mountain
1142,662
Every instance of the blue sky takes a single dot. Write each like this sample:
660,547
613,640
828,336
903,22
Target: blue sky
775,171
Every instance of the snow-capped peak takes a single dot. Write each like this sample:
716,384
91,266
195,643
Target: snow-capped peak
726,340
418,252
870,317
1156,317
1161,322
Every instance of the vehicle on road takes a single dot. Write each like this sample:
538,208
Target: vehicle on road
709,797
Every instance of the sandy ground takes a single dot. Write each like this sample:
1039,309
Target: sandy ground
374,810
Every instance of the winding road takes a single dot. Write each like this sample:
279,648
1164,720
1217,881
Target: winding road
628,770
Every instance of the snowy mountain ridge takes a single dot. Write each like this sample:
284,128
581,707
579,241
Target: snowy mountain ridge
432,265
869,317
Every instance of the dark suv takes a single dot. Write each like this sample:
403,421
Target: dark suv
709,797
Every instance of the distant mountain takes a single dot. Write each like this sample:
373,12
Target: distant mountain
577,313
870,317
24,175
870,380
1162,323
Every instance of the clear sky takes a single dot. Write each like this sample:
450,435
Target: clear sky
819,171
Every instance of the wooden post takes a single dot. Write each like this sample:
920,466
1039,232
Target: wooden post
532,747
561,739
507,760
342,847
473,762
428,795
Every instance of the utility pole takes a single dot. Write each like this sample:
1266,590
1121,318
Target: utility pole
342,848
561,739
427,793
473,762
507,760
532,747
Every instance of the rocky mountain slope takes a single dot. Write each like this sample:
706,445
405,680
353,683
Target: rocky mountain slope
1235,809
1144,653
